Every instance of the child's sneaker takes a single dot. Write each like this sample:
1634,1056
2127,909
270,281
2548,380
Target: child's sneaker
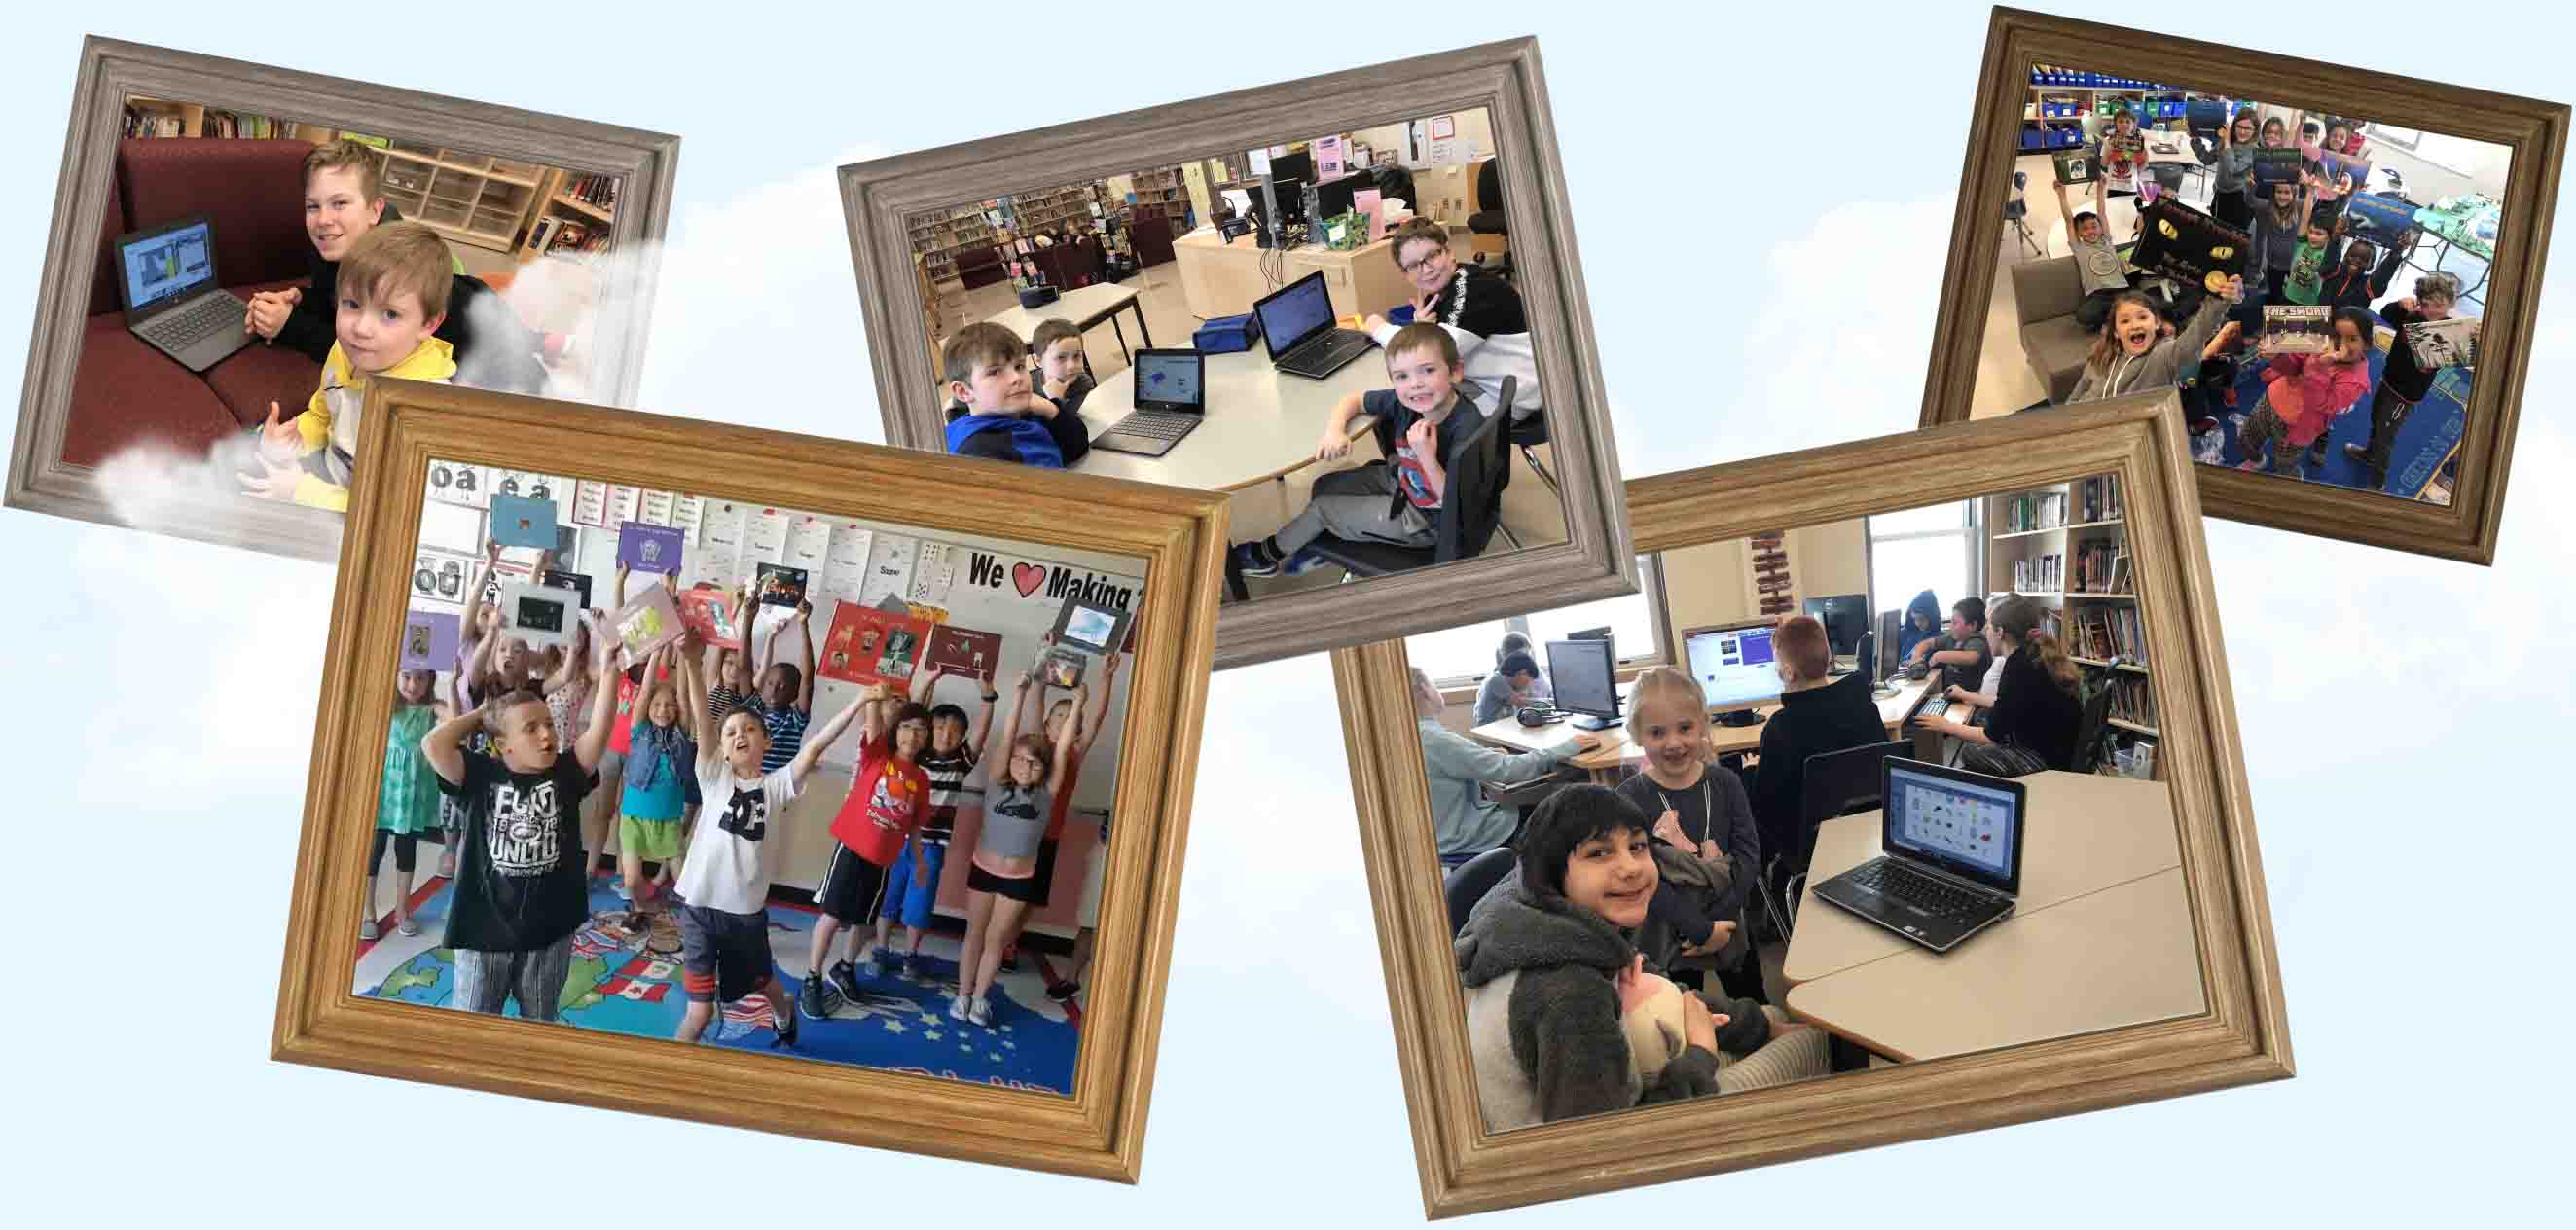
367,929
845,977
620,885
957,1007
1253,559
2251,465
1063,992
408,925
980,1010
885,961
911,965
817,999
1303,562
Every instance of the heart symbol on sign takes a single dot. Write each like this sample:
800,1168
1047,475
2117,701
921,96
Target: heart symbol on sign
1028,577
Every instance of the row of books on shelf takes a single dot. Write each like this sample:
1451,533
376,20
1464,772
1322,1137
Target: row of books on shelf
2098,498
2035,510
558,235
2133,700
2044,574
2111,635
598,190
2100,568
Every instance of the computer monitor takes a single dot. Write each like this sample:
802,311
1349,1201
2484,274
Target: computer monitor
1589,634
1736,666
1297,166
1291,191
1845,617
1585,676
1333,197
1891,625
1865,659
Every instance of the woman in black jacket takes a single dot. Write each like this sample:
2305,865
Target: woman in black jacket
2039,701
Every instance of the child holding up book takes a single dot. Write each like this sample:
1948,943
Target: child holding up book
2405,380
407,806
2302,397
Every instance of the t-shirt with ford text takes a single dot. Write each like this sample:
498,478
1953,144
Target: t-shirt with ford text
519,881
888,800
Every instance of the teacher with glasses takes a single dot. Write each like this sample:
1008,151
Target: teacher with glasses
1481,310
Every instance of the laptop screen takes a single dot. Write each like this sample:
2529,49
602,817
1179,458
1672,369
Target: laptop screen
1963,825
1288,316
168,265
1169,381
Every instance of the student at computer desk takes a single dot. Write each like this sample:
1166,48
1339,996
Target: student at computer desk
1818,714
1059,383
1513,686
1393,500
2039,701
1464,822
1554,982
1961,653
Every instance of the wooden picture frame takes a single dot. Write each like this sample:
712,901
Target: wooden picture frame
2240,1039
111,71
1503,77
1176,536
2535,132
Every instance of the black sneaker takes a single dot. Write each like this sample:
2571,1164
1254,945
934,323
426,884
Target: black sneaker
1063,992
817,999
845,978
2357,453
1253,559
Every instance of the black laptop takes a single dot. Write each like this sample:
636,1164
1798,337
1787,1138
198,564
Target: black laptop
1953,862
1171,401
166,275
1297,325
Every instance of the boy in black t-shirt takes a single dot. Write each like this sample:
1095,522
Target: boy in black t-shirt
521,887
1397,500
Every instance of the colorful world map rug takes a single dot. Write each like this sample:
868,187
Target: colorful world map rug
622,983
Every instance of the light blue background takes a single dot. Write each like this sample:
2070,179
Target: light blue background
2405,722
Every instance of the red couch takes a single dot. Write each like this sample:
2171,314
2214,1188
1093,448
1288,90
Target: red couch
124,392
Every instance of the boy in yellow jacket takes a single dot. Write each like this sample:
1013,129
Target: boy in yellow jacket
393,290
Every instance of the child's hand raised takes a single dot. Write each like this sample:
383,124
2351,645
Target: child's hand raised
279,442
2236,289
1419,436
273,481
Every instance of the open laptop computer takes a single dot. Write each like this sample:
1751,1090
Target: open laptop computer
1297,325
1171,401
1953,862
173,300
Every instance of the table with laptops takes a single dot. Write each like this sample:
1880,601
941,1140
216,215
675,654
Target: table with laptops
1228,422
1974,912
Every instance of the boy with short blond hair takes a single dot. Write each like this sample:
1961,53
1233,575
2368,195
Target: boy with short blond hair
986,367
394,292
1398,500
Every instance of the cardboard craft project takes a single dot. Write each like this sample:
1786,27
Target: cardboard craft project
2276,166
711,611
2449,342
780,585
523,521
870,646
2189,246
429,640
963,652
556,578
538,615
649,548
648,623
2296,329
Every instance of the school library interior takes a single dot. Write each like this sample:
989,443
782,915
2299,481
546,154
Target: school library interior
216,278
2363,247
1848,795
1230,323
792,719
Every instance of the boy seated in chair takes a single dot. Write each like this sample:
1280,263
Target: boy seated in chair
1396,500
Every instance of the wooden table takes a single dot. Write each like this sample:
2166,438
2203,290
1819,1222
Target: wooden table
1616,757
2101,936
1262,423
1219,278
1086,307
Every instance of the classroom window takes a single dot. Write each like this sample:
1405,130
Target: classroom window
1923,548
1463,655
2402,138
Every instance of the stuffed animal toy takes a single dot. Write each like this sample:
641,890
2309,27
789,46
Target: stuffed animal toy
1650,1010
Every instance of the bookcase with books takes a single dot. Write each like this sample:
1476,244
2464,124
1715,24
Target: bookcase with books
160,117
938,238
575,217
2067,546
1163,194
468,197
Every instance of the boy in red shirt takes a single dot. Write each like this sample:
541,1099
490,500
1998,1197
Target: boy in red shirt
889,799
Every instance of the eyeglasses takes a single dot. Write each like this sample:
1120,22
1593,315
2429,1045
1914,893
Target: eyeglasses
1417,266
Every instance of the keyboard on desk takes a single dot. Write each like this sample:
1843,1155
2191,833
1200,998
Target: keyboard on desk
1898,882
1324,355
197,322
1150,433
1934,705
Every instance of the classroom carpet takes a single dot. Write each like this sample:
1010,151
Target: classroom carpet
2424,443
620,985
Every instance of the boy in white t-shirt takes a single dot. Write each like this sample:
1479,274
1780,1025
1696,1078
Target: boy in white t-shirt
2098,262
724,882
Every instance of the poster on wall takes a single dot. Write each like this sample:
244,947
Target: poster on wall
456,483
624,503
590,504
685,513
934,573
889,573
845,561
439,577
867,646
656,507
765,540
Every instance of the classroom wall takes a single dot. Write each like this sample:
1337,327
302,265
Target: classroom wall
973,582
1712,583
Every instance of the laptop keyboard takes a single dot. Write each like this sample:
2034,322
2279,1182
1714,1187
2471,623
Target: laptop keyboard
1331,351
1896,881
198,321
1145,424
1935,705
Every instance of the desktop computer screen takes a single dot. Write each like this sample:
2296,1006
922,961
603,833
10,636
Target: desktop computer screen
1735,666
1845,617
1300,166
1333,197
1585,676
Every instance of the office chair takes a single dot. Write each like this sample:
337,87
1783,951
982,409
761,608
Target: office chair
1485,218
1838,784
1466,523
1527,433
1468,882
2017,212
2093,730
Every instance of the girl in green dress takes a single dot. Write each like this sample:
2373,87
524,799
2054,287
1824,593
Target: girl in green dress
408,805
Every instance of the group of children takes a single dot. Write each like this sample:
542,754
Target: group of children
507,767
2157,334
1002,408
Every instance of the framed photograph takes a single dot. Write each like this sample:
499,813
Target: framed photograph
1323,483
404,985
183,198
2056,744
2363,441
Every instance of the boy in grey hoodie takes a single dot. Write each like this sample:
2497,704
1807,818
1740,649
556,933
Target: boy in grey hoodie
1547,958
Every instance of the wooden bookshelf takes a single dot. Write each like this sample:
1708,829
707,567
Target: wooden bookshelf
2040,538
560,207
469,198
1162,194
937,237
160,117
